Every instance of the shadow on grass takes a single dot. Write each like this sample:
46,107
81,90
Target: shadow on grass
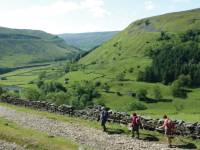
114,131
187,146
150,138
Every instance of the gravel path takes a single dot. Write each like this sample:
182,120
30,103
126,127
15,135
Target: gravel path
93,138
9,146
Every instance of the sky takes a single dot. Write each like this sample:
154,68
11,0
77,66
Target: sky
77,16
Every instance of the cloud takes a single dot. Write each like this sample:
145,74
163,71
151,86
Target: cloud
61,7
149,5
95,7
56,16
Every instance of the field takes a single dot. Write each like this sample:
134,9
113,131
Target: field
185,109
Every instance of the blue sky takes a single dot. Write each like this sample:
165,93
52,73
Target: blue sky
75,16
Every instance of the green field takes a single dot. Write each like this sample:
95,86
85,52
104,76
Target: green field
126,53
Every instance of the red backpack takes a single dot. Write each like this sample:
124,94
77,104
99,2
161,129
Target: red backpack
135,120
170,125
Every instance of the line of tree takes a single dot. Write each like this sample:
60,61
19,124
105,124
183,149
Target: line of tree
176,55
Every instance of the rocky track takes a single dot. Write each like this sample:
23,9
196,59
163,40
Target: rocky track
9,146
93,138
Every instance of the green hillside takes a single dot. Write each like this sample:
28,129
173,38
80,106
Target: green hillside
135,40
109,74
23,47
87,41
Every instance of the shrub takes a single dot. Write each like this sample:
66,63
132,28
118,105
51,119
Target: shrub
141,94
157,93
53,87
59,98
1,91
177,90
3,78
136,106
147,22
42,75
106,87
31,94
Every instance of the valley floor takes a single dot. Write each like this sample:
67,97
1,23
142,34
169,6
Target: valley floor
85,137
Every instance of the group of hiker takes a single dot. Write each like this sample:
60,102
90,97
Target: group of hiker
136,125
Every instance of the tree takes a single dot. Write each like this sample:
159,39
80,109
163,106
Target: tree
136,106
157,93
42,75
1,91
141,94
32,94
59,98
106,87
177,90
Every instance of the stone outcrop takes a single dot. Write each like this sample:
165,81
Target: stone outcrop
182,128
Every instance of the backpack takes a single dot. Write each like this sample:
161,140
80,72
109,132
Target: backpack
135,121
170,125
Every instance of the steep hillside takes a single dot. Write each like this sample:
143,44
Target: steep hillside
22,47
139,36
87,41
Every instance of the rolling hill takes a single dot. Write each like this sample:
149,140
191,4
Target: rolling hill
23,47
135,40
87,41
109,74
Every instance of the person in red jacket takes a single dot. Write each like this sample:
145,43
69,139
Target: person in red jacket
135,124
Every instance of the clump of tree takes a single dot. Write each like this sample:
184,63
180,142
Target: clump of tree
179,55
179,86
136,106
84,92
141,94
1,91
105,87
157,93
50,87
59,98
32,94
164,36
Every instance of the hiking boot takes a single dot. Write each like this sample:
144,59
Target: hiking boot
169,146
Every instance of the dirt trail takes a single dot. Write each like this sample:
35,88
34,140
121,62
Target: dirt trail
9,146
93,138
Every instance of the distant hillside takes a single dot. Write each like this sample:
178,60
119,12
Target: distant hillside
135,41
23,47
87,41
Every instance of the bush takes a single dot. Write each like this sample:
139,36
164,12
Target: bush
42,75
52,87
177,90
106,87
59,98
184,80
84,92
1,91
141,94
136,106
3,78
157,93
32,94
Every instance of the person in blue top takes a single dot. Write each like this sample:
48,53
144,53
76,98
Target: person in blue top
104,118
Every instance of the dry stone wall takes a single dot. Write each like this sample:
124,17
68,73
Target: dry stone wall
182,128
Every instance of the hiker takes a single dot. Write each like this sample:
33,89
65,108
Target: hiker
104,118
168,127
135,124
